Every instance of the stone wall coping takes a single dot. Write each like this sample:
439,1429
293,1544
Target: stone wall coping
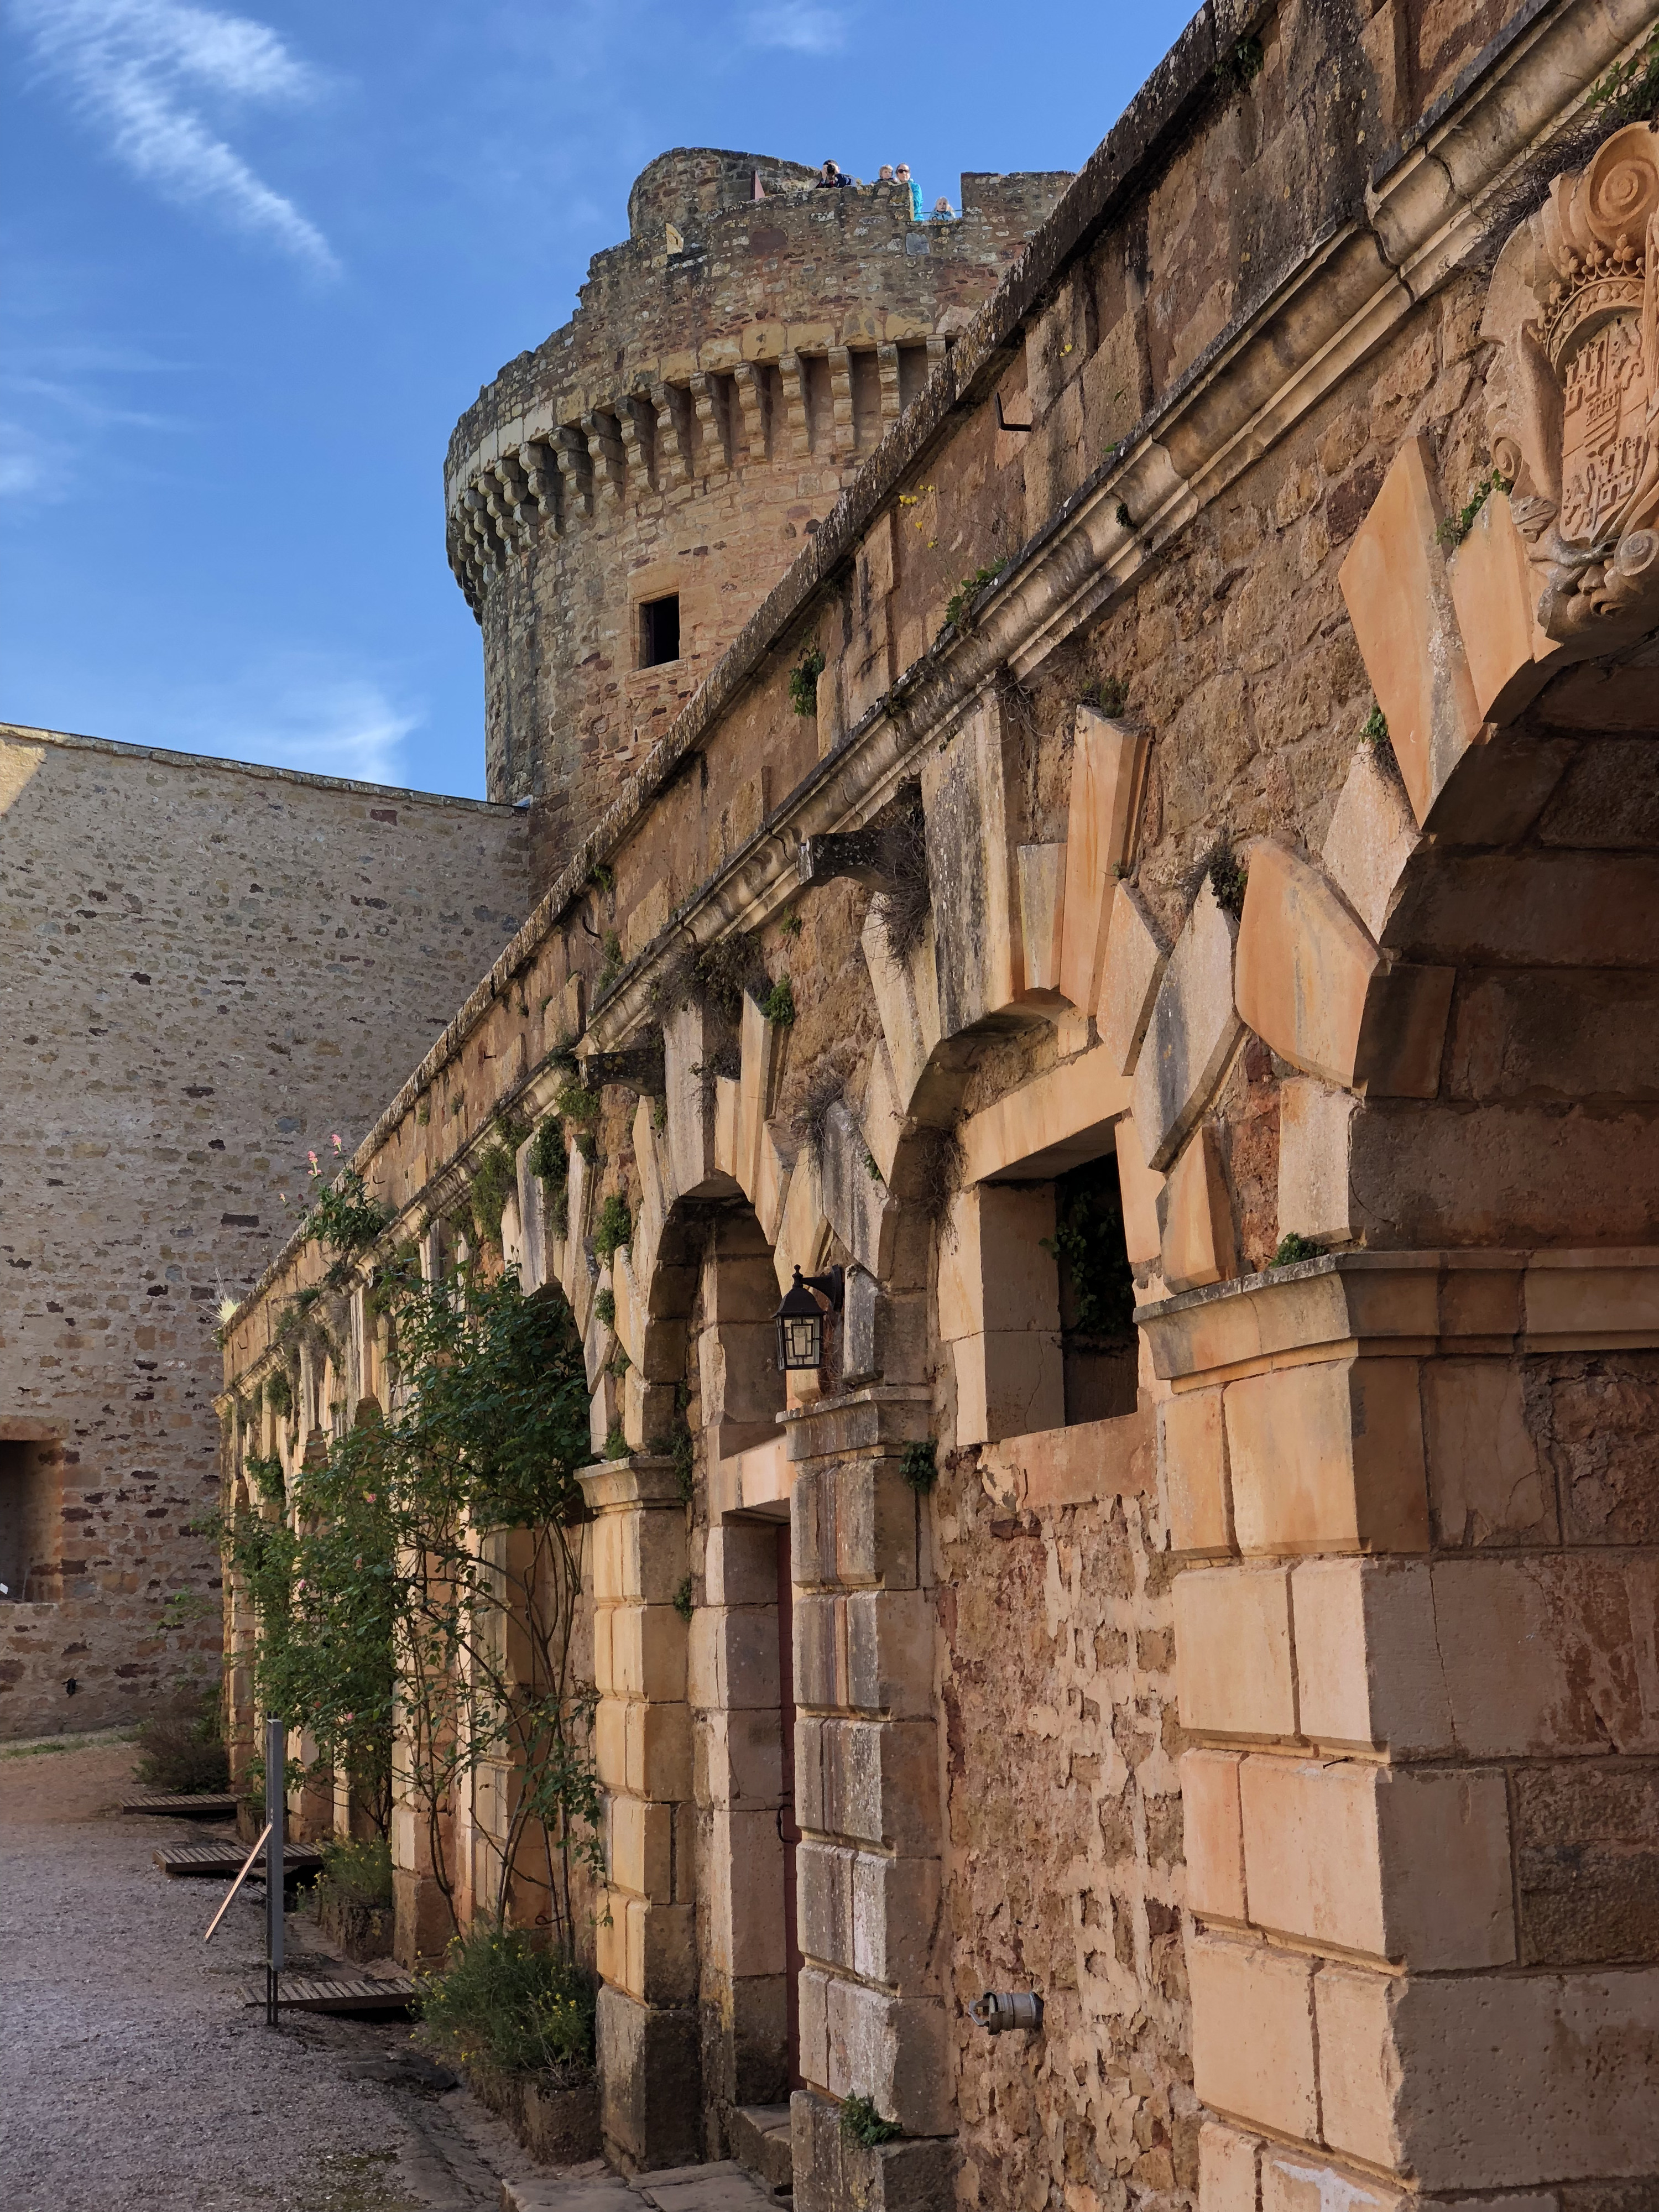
1274,360
1407,1304
72,741
642,1479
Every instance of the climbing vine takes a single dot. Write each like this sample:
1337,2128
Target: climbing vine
427,1567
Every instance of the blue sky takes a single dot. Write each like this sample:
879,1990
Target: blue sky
254,266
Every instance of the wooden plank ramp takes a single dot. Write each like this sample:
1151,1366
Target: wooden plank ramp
228,1857
214,1802
341,1993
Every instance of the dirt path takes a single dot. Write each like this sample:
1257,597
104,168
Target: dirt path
135,2076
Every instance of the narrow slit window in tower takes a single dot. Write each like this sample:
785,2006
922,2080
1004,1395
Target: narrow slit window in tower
660,631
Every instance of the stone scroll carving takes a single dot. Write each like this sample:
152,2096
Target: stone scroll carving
1573,412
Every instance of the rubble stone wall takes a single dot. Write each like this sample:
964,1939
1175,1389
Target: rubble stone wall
208,968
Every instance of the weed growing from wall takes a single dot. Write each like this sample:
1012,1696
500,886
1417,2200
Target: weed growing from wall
612,1229
804,682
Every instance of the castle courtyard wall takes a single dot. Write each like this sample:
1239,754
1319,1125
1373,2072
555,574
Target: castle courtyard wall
210,970
1290,1736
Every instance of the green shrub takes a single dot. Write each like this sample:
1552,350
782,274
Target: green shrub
968,591
357,1874
804,682
1228,876
550,1162
502,1999
1110,696
779,1005
1294,1248
180,1747
279,1394
611,947
683,1605
267,1477
862,2123
615,1444
613,1228
494,1180
920,1466
604,1305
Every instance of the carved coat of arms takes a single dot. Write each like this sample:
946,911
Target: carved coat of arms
1573,407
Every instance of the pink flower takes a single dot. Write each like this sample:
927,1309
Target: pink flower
335,1141
348,1718
368,1497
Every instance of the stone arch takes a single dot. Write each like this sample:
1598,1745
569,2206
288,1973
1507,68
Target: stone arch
1389,1468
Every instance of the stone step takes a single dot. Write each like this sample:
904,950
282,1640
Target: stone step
761,2141
722,2185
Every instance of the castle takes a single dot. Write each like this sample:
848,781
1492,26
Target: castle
1090,1095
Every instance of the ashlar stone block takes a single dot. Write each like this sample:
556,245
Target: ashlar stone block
1399,599
1192,1464
893,2051
1233,1660
1328,1457
1193,1028
1412,1865
1213,1833
1371,837
1305,965
1131,970
1253,2034
1108,765
1196,1212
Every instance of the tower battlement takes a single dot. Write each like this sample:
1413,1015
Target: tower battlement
621,499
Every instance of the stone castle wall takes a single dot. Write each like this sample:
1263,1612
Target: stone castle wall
1291,1735
727,373
208,970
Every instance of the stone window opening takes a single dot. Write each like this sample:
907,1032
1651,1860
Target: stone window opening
31,1512
660,631
1099,1350
1036,1298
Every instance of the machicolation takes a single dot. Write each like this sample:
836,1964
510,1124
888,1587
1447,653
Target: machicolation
620,500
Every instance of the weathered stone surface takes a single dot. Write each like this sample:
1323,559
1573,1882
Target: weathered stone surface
1304,965
1192,1032
1195,1211
1399,600
257,958
650,2079
1328,1457
1371,838
1253,2033
1107,764
1512,2080
1414,1866
1132,970
1233,1652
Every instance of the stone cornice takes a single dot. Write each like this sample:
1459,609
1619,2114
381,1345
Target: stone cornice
1428,211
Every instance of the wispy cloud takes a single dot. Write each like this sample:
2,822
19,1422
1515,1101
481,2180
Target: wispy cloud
799,27
140,69
347,726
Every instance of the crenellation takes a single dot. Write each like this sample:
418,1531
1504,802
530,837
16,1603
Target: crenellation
714,422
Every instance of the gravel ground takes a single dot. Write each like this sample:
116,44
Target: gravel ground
134,2075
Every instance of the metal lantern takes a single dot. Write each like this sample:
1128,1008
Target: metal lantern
800,1318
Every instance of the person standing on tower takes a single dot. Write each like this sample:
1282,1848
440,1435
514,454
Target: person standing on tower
902,175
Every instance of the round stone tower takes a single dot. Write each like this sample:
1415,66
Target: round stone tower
620,500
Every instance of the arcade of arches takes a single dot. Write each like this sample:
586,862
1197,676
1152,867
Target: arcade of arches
1211,1580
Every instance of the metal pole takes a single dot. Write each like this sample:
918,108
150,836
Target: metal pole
276,1837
